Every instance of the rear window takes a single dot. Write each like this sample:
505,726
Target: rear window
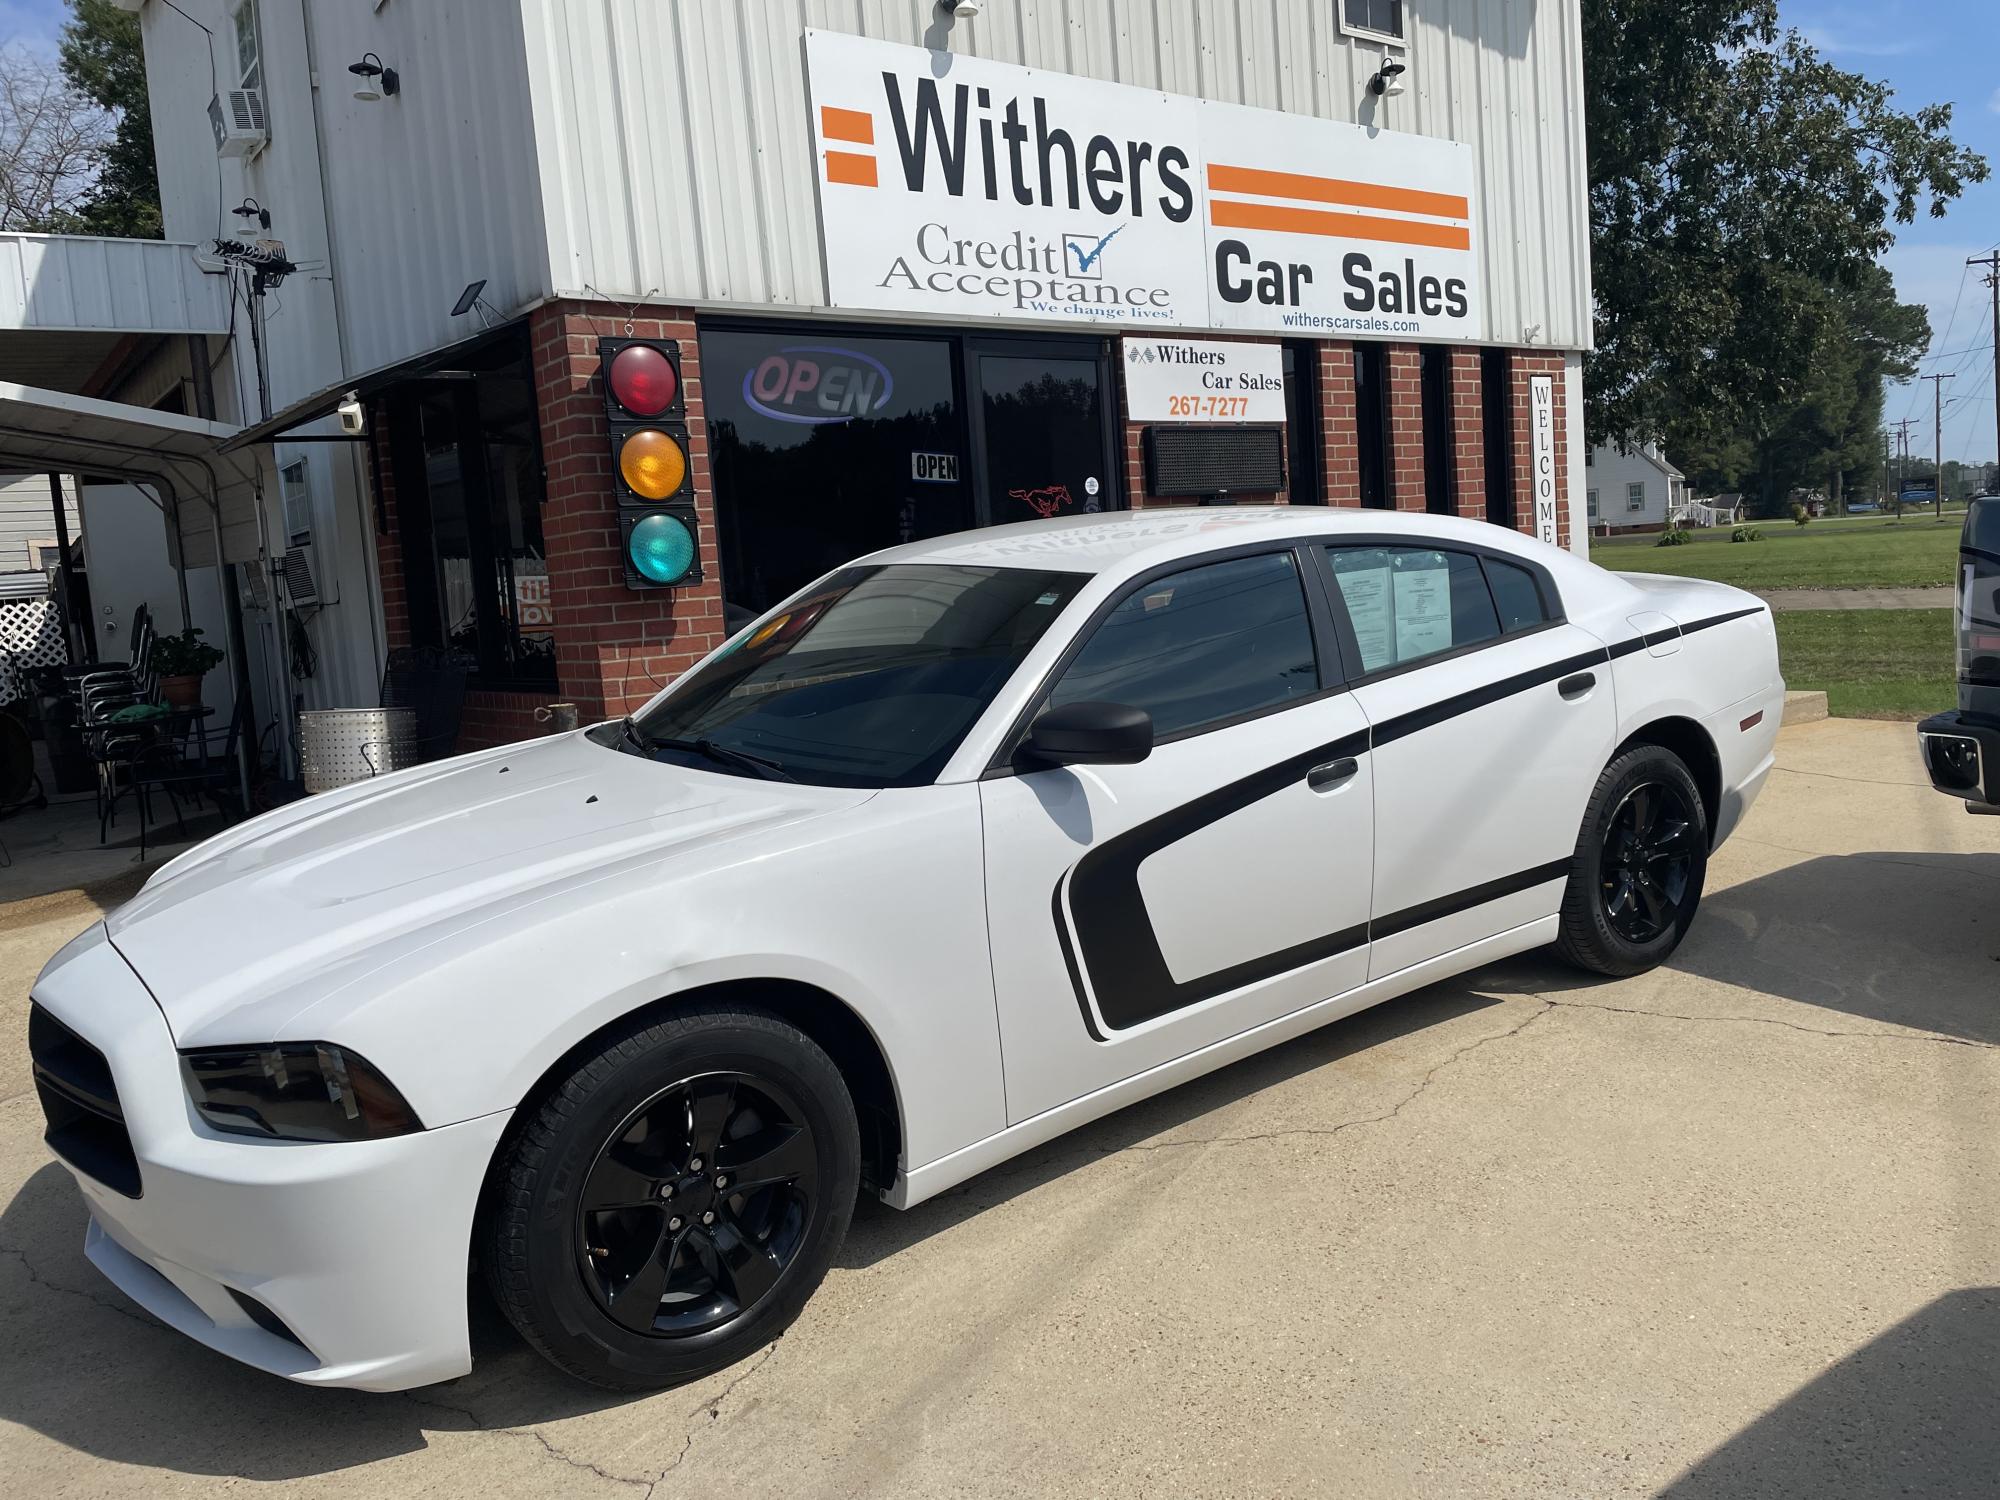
1407,603
1515,594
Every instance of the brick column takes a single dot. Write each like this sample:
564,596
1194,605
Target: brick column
1339,435
1522,366
1468,434
615,647
1406,427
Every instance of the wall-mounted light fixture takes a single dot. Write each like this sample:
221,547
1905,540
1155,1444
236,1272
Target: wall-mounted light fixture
1388,78
964,9
376,80
254,216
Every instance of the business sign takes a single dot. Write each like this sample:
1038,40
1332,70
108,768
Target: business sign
955,185
1202,380
934,468
1542,454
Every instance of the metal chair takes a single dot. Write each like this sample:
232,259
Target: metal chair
161,767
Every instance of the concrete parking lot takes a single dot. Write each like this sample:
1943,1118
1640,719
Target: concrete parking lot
1728,1229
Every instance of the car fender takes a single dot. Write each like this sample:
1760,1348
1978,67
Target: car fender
882,907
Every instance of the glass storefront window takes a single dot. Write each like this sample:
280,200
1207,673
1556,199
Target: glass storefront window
825,446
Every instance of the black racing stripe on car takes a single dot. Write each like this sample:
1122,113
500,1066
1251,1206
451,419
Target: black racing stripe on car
1458,901
1674,632
1069,962
1433,714
1114,931
1734,614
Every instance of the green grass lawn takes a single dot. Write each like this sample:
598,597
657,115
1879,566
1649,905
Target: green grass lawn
1850,552
1871,663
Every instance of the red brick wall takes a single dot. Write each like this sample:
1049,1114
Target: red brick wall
1406,427
1339,434
388,540
500,719
615,646
1468,435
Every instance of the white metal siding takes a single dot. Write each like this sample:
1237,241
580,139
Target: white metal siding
121,286
676,155
28,515
434,188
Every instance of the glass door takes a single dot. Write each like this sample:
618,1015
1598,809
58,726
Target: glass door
1043,439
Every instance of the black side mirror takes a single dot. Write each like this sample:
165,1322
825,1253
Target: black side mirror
1090,734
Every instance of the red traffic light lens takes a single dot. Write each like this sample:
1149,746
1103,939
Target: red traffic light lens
643,380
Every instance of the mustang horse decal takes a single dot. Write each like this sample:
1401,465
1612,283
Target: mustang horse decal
1046,501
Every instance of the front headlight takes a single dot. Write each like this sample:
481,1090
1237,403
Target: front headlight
295,1091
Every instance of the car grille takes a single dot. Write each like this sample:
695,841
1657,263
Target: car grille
86,1127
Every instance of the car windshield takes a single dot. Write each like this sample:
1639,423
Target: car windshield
870,679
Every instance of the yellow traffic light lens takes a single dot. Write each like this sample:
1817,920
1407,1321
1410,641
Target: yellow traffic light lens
652,464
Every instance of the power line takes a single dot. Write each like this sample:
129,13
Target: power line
1950,323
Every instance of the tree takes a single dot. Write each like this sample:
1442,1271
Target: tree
1741,190
104,58
50,143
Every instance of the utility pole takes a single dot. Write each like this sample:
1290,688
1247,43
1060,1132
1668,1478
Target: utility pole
1992,279
1937,444
1902,460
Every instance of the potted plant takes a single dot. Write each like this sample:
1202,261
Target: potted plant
180,662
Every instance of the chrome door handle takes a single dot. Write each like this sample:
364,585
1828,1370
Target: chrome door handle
1335,773
1575,687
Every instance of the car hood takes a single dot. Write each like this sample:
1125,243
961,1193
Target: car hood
314,895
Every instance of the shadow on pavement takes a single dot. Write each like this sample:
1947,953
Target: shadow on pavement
1909,1413
880,1231
85,1367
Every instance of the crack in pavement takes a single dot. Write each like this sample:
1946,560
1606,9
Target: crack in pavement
1836,776
548,1448
713,1406
631,1481
1422,1084
1873,1036
36,1278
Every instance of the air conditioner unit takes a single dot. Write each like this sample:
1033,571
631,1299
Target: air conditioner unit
237,117
297,571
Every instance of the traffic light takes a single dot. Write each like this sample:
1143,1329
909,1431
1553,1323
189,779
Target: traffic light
649,462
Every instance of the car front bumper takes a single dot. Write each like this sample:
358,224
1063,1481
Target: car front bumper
352,1256
1961,753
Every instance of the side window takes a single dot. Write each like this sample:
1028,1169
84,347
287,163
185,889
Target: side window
1198,647
1515,594
1407,603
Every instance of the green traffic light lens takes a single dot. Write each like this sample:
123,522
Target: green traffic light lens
661,548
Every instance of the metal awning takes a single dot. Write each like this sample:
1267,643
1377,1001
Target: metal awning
184,459
281,426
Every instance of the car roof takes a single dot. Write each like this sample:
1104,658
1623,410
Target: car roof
1118,540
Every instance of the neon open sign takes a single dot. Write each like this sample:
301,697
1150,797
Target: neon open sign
817,383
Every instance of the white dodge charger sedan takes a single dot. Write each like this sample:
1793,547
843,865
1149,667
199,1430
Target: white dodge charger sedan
966,844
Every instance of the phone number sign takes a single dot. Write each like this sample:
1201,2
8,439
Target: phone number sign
1203,380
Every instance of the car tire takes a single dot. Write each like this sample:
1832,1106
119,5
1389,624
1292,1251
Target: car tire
626,1150
1635,880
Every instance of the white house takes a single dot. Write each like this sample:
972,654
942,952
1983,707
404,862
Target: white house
1631,489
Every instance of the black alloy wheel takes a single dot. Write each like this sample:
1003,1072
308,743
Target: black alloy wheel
664,1207
1636,875
1648,861
697,1205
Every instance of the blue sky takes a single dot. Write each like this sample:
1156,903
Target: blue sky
1935,51
1928,50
